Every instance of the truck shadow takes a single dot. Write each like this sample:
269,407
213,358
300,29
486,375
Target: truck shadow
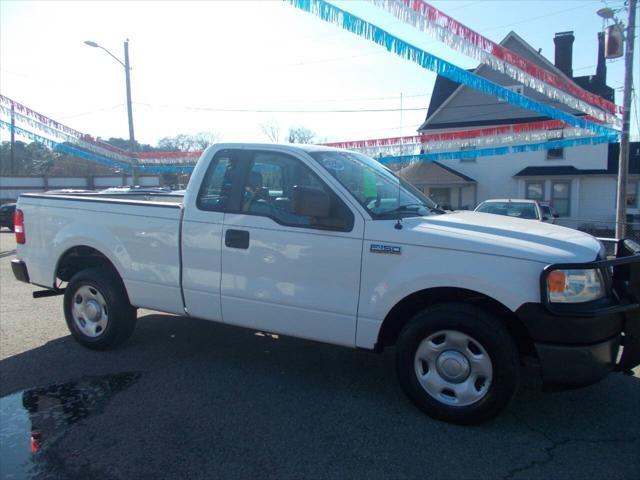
199,379
7,253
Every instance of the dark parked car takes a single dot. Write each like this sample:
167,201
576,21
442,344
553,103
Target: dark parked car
6,215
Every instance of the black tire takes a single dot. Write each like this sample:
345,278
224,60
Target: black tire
121,315
484,329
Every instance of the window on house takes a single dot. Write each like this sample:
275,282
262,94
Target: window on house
535,191
632,194
519,89
556,153
561,198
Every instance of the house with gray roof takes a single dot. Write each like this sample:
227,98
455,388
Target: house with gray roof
579,182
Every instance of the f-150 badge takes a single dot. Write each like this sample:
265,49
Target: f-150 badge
389,249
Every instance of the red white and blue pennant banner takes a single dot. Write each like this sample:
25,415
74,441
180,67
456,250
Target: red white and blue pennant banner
461,38
64,147
351,23
26,117
169,161
60,136
491,152
463,139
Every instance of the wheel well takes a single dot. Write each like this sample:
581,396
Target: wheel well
80,258
409,306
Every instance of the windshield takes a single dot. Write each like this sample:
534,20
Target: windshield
374,186
510,209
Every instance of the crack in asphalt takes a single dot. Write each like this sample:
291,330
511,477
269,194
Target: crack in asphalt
554,444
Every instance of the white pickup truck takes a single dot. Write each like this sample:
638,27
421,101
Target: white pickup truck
330,245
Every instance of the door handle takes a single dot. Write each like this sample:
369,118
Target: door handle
237,239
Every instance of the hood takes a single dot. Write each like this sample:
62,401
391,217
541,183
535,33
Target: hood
500,235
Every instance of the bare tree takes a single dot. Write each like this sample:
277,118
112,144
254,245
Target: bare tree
189,143
202,140
301,135
271,130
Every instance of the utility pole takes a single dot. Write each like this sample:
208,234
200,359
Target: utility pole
132,139
623,161
13,140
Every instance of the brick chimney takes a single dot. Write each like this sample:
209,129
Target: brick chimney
601,69
564,52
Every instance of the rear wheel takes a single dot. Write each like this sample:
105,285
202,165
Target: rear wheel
457,363
97,309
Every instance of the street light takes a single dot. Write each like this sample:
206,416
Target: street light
606,13
127,71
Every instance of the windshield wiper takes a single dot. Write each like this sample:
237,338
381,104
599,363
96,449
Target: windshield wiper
411,207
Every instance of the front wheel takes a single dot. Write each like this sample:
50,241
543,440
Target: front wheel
457,363
97,309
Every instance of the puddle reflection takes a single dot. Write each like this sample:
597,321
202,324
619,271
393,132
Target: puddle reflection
33,418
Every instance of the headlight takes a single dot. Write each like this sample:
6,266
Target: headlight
575,286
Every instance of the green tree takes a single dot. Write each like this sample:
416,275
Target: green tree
124,144
37,159
28,158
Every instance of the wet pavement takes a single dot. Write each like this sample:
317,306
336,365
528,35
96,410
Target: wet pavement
32,419
215,401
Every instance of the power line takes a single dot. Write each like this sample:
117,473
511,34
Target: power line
634,100
350,99
528,20
467,5
106,109
277,110
584,68
324,60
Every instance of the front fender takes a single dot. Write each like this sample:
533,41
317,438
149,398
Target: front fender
388,279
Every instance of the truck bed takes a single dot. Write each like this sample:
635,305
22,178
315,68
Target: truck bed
139,236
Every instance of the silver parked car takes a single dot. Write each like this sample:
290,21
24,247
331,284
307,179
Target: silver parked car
519,208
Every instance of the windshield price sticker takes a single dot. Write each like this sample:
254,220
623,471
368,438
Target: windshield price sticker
332,164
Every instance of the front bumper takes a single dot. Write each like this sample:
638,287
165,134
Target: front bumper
578,344
577,365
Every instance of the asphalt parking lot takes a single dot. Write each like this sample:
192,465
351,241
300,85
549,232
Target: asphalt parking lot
187,398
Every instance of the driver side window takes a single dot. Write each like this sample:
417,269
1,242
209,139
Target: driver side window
272,187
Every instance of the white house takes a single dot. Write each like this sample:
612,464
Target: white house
579,182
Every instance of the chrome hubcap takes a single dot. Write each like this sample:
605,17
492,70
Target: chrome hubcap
453,368
89,311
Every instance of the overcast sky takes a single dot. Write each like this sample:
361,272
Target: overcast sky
192,59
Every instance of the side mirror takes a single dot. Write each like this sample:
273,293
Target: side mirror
311,202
